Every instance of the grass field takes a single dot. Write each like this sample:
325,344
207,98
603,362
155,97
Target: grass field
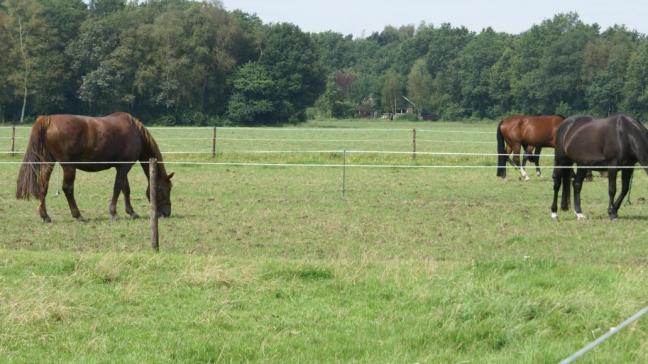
273,264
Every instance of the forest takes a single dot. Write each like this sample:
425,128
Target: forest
179,62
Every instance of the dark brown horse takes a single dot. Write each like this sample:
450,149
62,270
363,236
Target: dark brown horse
527,133
90,144
611,144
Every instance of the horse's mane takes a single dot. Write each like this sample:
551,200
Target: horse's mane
149,142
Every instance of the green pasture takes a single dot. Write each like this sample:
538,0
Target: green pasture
273,264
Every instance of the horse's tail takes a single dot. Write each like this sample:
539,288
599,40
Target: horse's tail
28,178
501,152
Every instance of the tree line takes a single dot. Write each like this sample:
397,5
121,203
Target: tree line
186,62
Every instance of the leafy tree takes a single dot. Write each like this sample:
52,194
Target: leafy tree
253,100
445,43
335,99
636,86
392,92
470,72
604,68
25,26
336,50
419,86
293,62
548,64
500,78
104,7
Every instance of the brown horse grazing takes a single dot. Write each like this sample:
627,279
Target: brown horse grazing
611,144
90,144
526,132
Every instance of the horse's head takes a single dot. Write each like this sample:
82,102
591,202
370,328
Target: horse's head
163,195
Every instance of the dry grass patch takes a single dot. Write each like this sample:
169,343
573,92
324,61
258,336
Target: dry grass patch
34,302
214,272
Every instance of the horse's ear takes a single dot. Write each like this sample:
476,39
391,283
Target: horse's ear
170,176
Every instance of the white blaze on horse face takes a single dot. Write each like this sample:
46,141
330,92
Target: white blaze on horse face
580,217
554,215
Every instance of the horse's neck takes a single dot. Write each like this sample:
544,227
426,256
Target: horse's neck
147,154
641,146
151,151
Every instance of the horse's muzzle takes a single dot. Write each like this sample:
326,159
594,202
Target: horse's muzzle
164,211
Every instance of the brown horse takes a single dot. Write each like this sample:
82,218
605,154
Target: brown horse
612,144
525,132
90,144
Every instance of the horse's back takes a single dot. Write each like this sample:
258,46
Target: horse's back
85,138
539,131
587,140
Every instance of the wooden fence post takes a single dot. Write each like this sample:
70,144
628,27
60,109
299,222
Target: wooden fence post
155,237
13,140
414,143
214,143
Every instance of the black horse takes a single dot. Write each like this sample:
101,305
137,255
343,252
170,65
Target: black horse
612,144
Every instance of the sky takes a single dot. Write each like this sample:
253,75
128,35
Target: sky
363,17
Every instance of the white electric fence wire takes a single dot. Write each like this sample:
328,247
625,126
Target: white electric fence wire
318,130
607,335
316,165
339,151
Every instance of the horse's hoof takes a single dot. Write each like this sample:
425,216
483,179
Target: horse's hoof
538,174
134,216
81,219
613,217
554,216
114,217
581,217
47,220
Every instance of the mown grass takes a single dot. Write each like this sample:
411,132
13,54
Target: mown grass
273,264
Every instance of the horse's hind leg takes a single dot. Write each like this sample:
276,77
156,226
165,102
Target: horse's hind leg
127,201
578,185
69,174
45,173
557,179
531,154
626,178
536,160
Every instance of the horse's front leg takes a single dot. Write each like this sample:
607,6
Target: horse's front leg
612,176
120,182
45,173
69,174
127,201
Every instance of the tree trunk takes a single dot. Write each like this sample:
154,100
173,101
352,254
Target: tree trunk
24,56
